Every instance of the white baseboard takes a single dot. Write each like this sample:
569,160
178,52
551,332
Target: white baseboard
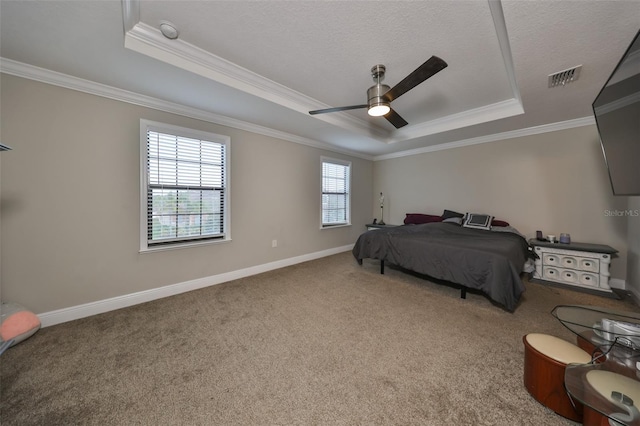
81,311
635,295
617,283
622,285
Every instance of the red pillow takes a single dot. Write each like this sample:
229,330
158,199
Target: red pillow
496,222
418,218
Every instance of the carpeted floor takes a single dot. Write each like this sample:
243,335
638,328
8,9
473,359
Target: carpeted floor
323,342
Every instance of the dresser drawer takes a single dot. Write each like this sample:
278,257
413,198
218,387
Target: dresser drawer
560,260
551,274
588,279
571,262
568,276
590,265
551,259
571,276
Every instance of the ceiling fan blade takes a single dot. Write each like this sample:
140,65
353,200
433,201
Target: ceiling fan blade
395,119
336,109
432,66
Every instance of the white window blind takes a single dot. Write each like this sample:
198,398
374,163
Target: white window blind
335,192
185,188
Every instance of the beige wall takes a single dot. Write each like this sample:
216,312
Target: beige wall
633,256
1,155
69,197
70,200
556,182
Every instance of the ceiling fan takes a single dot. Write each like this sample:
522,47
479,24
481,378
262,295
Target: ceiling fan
379,96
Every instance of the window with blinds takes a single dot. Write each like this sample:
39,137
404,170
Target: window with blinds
185,186
336,175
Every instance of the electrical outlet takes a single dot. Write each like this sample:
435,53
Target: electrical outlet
274,243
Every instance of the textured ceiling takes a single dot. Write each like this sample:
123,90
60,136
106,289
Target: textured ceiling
326,49
264,65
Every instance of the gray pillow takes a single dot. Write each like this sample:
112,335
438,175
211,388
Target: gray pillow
456,220
446,214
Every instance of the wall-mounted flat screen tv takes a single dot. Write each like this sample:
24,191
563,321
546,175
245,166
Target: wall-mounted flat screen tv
617,113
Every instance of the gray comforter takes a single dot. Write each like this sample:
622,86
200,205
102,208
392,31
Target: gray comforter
484,260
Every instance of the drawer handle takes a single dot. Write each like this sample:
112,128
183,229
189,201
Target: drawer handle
551,272
587,278
569,262
568,275
587,263
552,259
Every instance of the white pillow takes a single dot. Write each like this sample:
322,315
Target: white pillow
477,221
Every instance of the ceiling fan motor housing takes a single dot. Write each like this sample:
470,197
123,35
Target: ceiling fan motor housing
375,93
377,72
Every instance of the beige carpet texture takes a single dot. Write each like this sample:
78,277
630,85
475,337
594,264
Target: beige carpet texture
326,342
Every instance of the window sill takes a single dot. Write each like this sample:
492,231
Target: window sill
344,225
181,246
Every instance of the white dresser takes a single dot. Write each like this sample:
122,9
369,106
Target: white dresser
576,264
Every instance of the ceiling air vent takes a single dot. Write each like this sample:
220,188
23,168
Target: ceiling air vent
564,77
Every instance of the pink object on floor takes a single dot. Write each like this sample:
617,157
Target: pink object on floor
17,323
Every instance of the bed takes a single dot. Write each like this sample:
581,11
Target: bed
490,261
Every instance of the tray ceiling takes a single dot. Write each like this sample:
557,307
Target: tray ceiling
264,65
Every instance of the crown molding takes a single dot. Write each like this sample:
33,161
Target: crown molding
545,128
130,14
505,47
19,69
484,114
149,41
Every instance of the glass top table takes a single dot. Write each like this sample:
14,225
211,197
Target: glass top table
601,326
610,384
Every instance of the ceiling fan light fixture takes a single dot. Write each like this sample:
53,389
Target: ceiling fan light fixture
379,110
378,105
379,96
